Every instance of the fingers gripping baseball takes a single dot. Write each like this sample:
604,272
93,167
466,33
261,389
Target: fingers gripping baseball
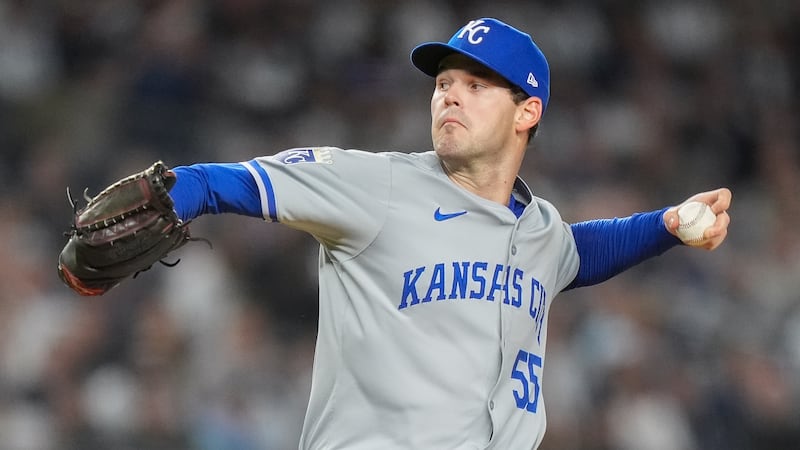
686,221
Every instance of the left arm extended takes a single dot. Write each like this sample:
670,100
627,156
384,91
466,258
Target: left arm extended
608,247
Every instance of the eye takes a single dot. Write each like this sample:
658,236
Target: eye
476,86
442,84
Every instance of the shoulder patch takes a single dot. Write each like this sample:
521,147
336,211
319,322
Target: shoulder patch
305,155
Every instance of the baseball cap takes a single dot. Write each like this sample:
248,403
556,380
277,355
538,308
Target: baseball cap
498,46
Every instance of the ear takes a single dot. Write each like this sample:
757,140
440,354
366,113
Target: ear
529,113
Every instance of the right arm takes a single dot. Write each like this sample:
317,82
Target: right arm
215,189
338,196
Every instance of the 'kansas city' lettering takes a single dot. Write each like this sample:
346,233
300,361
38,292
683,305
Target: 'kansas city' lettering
474,280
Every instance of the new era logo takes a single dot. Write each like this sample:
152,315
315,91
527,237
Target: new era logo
532,80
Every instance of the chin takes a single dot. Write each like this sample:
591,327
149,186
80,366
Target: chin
446,150
446,146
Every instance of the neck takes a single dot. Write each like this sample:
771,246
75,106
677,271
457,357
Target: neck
493,181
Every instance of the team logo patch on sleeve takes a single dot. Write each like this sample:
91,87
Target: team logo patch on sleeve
305,155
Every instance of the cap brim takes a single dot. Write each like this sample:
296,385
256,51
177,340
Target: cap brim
426,57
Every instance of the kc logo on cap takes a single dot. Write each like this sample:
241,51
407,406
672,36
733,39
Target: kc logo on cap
498,46
472,29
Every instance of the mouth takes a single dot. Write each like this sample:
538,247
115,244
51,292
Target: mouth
449,120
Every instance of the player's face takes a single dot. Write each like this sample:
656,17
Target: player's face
472,111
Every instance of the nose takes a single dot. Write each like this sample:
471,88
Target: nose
451,98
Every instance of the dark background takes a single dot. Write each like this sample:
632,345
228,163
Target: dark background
651,102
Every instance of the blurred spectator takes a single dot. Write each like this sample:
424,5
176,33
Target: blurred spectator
693,351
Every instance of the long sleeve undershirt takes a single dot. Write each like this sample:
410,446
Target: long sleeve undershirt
606,247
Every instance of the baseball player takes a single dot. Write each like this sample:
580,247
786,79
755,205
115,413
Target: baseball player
437,269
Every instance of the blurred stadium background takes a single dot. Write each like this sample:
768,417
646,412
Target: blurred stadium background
651,101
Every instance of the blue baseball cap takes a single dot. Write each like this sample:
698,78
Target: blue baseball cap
498,46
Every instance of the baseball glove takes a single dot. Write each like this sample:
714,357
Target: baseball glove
121,232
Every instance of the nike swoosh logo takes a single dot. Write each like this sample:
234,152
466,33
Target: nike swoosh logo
439,216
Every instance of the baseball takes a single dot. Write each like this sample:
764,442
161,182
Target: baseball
694,217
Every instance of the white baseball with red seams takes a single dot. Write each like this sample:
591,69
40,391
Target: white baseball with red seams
695,218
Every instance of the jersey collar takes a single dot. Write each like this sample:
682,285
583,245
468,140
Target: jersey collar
521,197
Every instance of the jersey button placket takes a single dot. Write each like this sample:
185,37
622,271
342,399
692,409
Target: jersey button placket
505,320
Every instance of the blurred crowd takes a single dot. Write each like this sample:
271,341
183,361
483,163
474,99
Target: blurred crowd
651,102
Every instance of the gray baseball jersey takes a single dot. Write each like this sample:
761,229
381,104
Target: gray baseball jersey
433,301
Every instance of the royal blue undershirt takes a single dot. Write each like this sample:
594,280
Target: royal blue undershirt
606,247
